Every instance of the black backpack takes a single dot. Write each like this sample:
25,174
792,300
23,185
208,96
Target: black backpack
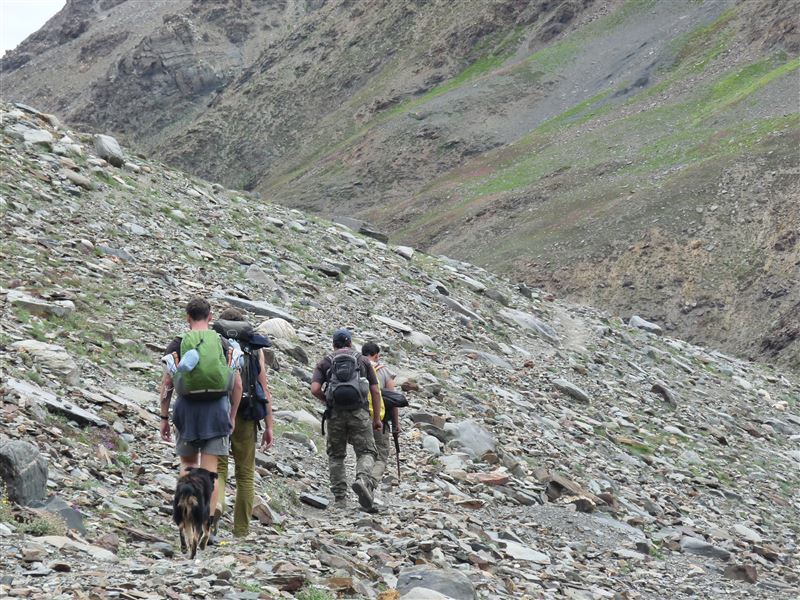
346,386
253,406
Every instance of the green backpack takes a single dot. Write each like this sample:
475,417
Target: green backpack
212,377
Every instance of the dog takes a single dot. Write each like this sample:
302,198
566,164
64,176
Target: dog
191,508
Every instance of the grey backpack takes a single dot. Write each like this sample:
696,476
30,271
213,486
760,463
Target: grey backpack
346,386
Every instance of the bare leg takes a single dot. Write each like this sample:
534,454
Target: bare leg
209,462
187,462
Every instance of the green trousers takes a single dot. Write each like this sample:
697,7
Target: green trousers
350,427
382,443
243,448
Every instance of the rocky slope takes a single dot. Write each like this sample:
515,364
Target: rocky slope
552,451
635,155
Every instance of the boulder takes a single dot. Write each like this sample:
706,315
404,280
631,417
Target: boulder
529,322
405,251
38,306
419,339
23,470
571,390
691,545
451,583
108,148
51,357
470,436
277,329
640,323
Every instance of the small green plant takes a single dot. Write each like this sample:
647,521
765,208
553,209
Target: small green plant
124,459
314,593
46,524
250,587
33,375
6,514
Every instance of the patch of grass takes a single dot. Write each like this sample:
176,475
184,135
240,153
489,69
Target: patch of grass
314,593
281,497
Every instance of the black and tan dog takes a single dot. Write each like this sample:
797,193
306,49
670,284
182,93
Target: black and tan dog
191,508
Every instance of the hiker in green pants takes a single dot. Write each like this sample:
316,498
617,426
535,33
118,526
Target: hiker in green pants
256,405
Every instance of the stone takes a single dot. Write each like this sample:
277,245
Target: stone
495,478
39,306
78,179
474,439
38,137
519,551
393,324
746,533
473,284
421,593
745,573
532,324
451,583
256,307
51,357
571,390
692,545
420,340
460,308
405,251
497,296
277,329
33,392
640,323
314,500
108,149
431,445
72,518
665,392
23,470
256,274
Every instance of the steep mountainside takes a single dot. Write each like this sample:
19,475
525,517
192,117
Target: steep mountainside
551,451
636,154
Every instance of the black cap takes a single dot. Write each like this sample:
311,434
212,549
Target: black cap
342,337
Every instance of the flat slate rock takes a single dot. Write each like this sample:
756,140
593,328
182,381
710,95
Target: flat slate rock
571,390
315,501
257,307
54,404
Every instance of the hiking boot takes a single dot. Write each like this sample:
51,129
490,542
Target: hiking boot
340,502
364,494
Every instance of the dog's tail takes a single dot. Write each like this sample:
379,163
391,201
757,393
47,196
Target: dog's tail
186,505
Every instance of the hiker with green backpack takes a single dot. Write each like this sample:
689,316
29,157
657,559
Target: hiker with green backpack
208,392
255,407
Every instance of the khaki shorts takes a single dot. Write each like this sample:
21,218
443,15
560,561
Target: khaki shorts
218,446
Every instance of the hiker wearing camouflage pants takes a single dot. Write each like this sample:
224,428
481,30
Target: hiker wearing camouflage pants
343,389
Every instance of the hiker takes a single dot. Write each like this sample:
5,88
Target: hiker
386,377
198,369
345,381
255,407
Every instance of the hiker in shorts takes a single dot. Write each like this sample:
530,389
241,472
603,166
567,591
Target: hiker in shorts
346,383
245,434
386,378
203,421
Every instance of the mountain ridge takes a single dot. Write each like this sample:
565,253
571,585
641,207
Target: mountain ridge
474,136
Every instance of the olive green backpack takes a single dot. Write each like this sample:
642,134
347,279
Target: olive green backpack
212,377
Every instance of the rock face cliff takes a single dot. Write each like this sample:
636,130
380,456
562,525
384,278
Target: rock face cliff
637,155
551,450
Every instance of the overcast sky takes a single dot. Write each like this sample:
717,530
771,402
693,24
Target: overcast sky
20,18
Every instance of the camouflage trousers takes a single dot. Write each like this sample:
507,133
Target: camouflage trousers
349,427
382,444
